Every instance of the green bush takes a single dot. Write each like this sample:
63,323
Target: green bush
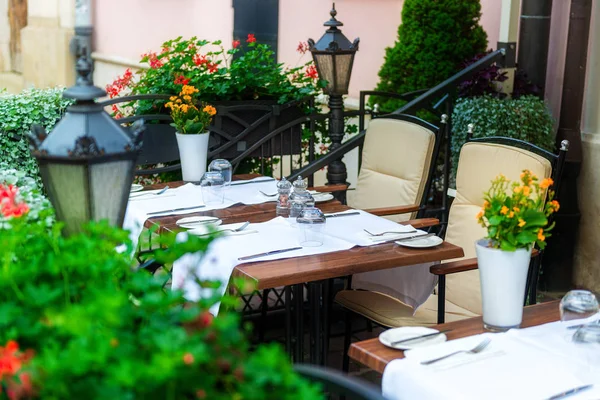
77,322
17,114
526,118
435,37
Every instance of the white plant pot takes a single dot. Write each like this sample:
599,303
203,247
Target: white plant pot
193,151
503,276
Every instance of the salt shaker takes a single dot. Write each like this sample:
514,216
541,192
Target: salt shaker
284,187
300,198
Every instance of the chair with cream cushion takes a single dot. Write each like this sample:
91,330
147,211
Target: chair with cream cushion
480,161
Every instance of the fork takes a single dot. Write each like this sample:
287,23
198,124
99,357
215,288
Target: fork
268,195
241,228
477,349
134,195
385,233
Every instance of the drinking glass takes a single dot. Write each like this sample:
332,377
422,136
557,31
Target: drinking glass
212,184
311,222
578,304
224,167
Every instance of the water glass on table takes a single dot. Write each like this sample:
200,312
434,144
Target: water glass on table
212,185
310,222
578,304
224,167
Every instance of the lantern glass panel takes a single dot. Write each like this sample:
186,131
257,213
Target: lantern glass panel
343,66
110,185
69,192
325,67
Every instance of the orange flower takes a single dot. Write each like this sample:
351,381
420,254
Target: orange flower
518,189
526,190
521,223
480,214
188,358
516,209
511,214
210,110
546,183
555,206
540,235
486,204
504,210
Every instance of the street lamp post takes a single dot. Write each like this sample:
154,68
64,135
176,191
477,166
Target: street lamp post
87,163
334,55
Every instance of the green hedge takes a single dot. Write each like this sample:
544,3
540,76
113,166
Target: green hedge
526,118
17,114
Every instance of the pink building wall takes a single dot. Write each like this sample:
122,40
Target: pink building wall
127,28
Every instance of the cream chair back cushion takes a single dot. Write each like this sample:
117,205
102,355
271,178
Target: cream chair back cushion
478,164
395,166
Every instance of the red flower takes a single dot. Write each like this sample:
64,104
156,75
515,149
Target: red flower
153,60
199,60
181,80
212,67
302,47
235,44
119,84
10,208
188,359
311,72
251,38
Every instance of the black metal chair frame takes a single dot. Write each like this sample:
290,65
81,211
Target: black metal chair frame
334,382
557,162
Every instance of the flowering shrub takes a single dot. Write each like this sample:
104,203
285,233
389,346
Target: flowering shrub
187,117
20,195
95,328
516,215
243,72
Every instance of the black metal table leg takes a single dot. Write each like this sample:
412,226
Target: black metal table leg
299,314
288,320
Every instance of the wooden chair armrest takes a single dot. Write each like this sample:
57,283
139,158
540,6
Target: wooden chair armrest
421,222
383,211
454,267
330,188
462,265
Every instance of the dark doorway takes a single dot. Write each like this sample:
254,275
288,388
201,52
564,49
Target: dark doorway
260,17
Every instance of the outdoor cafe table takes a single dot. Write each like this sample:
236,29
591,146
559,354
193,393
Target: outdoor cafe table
376,356
316,270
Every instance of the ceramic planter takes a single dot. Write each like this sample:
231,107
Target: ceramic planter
193,151
503,276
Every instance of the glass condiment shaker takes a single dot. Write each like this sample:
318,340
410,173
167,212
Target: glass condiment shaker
300,198
311,222
284,188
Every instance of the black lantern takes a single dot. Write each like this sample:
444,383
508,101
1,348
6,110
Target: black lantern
87,163
334,55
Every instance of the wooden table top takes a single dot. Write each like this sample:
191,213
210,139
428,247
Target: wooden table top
270,274
376,356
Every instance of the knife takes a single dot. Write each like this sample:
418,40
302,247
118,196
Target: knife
341,214
268,253
569,392
173,210
404,239
420,337
235,183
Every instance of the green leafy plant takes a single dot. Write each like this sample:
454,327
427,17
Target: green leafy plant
18,112
189,116
526,118
516,214
78,322
435,37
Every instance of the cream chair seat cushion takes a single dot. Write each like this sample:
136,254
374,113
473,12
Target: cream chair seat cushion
478,164
390,175
388,311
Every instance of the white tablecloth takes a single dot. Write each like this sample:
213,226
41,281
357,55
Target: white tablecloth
533,363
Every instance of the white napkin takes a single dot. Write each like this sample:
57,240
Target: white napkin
513,366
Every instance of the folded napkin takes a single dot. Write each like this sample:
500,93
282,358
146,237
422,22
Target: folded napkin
510,367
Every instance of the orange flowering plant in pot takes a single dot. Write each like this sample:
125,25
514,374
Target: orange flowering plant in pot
191,119
516,217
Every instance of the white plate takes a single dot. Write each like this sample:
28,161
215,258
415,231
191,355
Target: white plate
407,332
322,197
206,228
430,241
136,188
197,222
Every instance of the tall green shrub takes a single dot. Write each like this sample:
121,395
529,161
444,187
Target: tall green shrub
17,114
526,118
435,37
